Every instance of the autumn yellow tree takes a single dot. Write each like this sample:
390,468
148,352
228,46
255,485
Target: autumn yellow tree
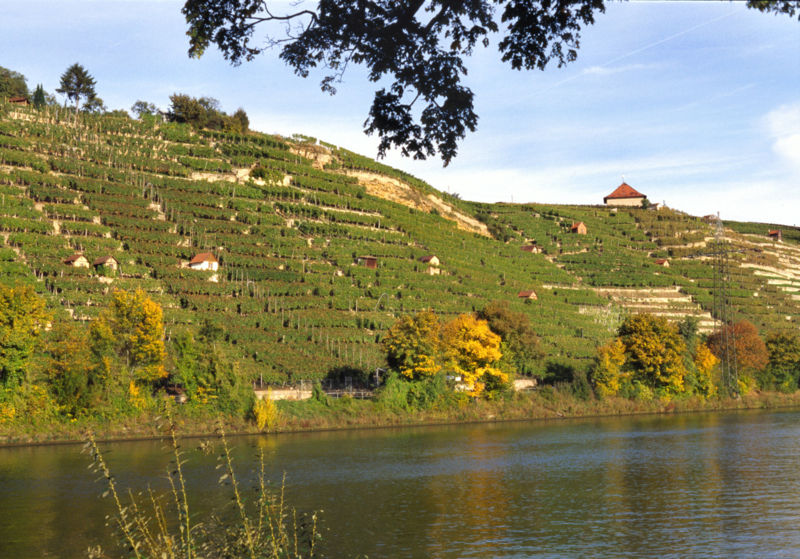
654,352
132,329
413,345
705,362
607,375
649,356
472,351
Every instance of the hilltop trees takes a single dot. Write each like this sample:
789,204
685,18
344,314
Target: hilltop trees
418,46
12,84
205,112
39,98
77,84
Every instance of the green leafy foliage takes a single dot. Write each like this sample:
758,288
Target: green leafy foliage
22,319
12,84
783,367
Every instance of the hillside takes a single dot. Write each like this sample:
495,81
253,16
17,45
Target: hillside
290,218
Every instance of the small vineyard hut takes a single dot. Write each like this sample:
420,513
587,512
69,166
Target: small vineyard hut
204,261
77,261
578,228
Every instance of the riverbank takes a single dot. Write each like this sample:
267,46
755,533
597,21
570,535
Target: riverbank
346,413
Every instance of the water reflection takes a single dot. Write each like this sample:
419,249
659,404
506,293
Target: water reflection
694,485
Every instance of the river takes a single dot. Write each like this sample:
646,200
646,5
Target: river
698,485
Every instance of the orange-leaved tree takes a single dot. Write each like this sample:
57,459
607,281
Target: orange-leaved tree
748,347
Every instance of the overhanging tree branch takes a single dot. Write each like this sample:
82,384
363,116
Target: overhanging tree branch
420,43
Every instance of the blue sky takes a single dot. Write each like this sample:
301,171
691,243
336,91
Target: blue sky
694,103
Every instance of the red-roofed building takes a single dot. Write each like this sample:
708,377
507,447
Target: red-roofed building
529,294
533,248
775,235
18,100
662,262
624,195
579,228
204,261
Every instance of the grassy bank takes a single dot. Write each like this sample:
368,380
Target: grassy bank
348,413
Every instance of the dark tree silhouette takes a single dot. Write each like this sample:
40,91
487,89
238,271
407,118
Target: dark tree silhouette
419,44
76,83
39,98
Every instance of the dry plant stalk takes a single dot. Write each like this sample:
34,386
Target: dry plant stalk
149,528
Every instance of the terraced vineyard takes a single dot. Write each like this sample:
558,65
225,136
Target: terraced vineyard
290,221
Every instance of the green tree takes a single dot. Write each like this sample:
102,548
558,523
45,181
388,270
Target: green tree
71,370
783,366
240,121
143,108
413,346
132,330
418,45
203,112
39,98
515,329
94,105
23,317
77,84
12,84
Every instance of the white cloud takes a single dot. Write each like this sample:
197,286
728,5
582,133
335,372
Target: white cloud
609,70
783,126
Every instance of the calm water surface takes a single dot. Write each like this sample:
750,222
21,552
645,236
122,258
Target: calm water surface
715,485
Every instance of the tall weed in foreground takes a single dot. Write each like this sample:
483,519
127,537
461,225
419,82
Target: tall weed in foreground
154,527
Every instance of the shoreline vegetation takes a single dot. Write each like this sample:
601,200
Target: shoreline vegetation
189,260
349,414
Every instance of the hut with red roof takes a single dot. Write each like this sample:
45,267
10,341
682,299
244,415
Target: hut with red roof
624,195
579,228
204,261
